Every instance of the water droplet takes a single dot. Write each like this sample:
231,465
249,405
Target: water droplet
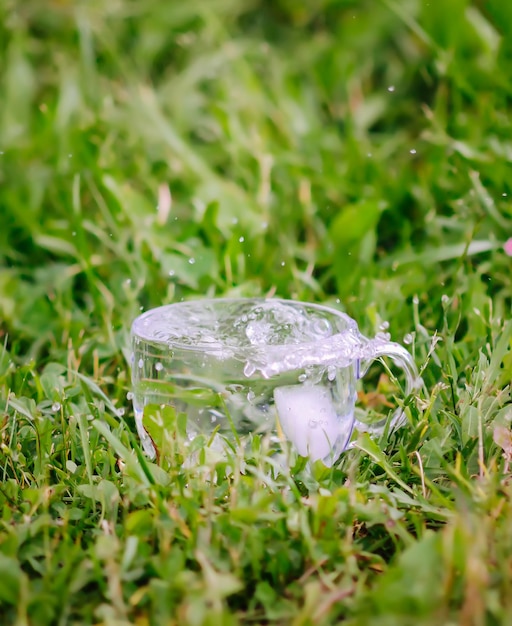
129,396
191,260
249,369
302,378
120,412
408,339
56,407
413,151
241,239
283,263
338,301
391,88
140,363
234,220
415,300
213,418
159,367
445,299
384,326
251,395
331,373
171,272
503,195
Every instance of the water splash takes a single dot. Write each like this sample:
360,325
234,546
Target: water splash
270,336
215,325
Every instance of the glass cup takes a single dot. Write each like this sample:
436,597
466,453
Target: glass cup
279,367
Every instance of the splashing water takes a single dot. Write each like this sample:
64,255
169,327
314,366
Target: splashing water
237,323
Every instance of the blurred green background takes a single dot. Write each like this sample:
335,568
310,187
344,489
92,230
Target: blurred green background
318,150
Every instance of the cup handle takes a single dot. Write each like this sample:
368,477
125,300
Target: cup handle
402,359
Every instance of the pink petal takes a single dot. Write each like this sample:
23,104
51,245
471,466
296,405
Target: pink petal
508,247
164,203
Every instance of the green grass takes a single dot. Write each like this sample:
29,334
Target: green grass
351,153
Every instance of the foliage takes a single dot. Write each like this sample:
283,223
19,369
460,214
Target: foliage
354,153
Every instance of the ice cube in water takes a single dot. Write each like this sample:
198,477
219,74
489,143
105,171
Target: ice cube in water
309,420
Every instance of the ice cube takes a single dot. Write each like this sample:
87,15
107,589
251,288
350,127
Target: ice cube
309,420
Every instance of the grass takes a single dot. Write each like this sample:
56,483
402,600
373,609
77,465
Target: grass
352,153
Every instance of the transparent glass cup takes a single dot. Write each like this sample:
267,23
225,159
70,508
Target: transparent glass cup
279,367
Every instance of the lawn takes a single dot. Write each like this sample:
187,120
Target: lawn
355,153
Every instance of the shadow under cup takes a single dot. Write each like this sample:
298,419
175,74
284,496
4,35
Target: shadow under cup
284,368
